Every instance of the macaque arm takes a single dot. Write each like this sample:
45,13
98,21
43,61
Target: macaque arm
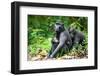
60,45
57,49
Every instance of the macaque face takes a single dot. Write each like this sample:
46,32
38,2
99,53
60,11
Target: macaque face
72,32
58,27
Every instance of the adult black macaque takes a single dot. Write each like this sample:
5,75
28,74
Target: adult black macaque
61,40
76,36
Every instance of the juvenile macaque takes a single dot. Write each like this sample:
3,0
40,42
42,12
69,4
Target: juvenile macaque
76,36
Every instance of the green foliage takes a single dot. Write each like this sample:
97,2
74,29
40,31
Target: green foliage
40,32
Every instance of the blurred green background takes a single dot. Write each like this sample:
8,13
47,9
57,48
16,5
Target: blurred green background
41,31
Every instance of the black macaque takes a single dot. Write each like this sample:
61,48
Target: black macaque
76,36
61,40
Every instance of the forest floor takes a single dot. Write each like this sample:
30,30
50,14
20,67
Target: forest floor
43,56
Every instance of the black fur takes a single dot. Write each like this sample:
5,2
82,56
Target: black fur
76,36
61,40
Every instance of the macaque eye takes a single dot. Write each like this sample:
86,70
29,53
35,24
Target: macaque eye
60,27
